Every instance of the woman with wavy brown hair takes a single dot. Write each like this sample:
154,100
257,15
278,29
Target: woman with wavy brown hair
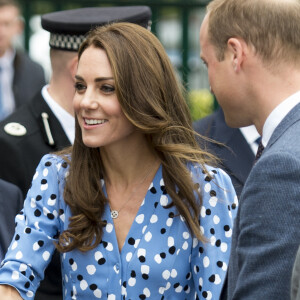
134,207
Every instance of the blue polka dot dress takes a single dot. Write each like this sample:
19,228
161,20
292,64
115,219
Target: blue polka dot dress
159,260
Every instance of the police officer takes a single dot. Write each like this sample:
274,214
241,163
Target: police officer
46,124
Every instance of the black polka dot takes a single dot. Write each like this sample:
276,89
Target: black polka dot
163,189
38,198
208,212
48,163
188,276
163,231
226,227
220,264
142,259
53,196
79,277
50,216
201,250
43,181
131,241
155,204
71,261
153,190
212,278
186,288
213,193
212,231
31,277
17,237
176,285
172,250
40,243
27,285
37,213
142,296
101,261
64,165
163,255
171,215
61,212
233,206
133,274
204,294
218,243
145,276
207,179
28,230
93,286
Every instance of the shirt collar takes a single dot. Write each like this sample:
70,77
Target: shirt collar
277,115
6,61
66,120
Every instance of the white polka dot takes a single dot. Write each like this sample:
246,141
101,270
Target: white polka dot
166,274
44,187
216,219
170,241
83,285
178,289
213,201
15,275
140,219
153,219
169,222
206,262
45,172
168,286
22,268
185,245
173,273
51,202
98,293
109,227
66,278
29,294
161,290
186,235
109,247
145,269
141,252
224,247
157,258
137,242
228,233
224,267
217,279
195,242
111,297
207,188
35,246
203,212
32,203
163,200
144,229
98,255
14,245
19,255
20,217
131,281
46,255
146,292
128,256
91,269
202,229
209,295
148,236
201,281
36,225
213,240
74,266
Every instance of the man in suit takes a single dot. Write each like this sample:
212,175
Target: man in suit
251,49
295,287
20,77
12,194
46,124
238,148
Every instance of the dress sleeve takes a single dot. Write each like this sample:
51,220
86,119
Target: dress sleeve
37,228
210,258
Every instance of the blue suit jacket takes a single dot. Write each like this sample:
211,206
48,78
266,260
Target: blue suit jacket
237,158
11,202
266,234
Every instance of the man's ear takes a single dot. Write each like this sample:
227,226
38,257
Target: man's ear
72,66
236,51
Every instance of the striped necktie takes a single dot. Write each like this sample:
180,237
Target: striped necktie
259,152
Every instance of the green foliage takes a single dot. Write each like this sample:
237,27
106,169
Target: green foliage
201,103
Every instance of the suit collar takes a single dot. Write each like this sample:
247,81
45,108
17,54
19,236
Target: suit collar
292,117
39,108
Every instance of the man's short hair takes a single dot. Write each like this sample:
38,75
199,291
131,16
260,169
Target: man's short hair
272,27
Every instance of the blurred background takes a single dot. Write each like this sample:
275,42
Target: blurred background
175,22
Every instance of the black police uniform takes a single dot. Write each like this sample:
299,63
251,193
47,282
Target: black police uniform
24,136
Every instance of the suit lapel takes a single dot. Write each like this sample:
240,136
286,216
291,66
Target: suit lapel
292,117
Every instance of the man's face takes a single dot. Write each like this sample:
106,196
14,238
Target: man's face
221,76
10,26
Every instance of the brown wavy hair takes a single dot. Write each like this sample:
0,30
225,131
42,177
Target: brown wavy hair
153,101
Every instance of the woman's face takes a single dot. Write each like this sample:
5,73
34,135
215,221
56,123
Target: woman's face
96,105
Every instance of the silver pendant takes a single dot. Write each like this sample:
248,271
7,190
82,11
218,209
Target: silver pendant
114,214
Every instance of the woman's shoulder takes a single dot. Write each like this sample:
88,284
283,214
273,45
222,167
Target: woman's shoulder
55,161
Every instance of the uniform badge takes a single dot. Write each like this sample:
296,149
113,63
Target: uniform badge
15,129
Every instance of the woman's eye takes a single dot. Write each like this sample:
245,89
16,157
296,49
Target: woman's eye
107,88
79,87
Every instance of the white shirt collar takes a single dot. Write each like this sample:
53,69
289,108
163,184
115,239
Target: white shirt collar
251,135
66,120
6,61
277,115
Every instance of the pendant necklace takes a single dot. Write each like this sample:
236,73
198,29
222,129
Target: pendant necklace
115,213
